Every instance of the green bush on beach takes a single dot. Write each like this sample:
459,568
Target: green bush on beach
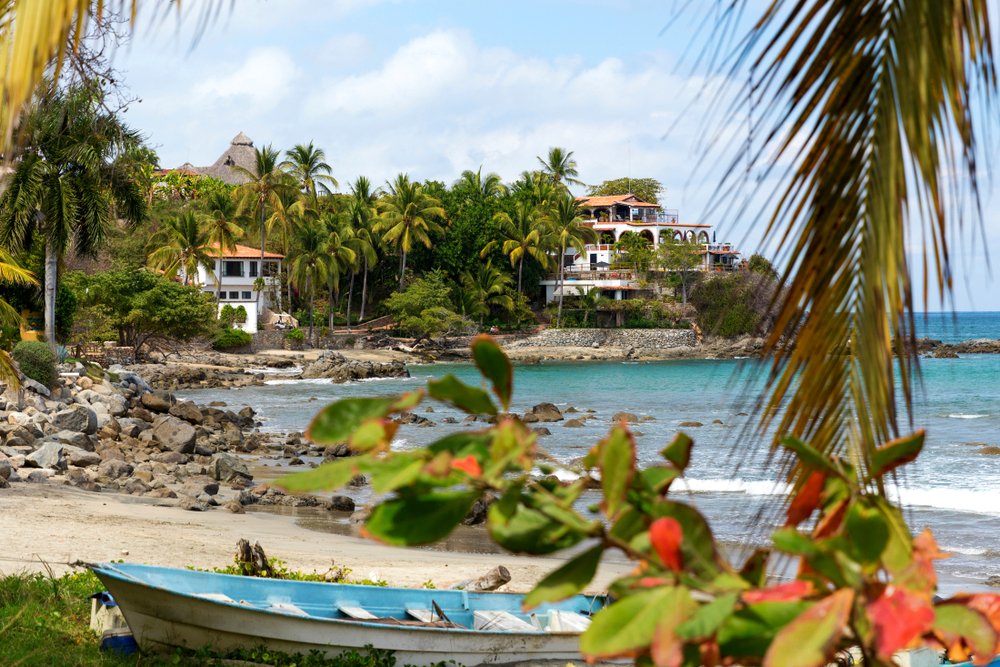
37,361
227,339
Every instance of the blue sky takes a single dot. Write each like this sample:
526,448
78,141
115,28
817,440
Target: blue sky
433,87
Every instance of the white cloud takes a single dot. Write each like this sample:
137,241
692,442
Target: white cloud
264,79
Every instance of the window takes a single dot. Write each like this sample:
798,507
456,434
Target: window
231,269
235,296
270,269
247,296
253,269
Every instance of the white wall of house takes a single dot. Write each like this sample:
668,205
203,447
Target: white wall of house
235,278
250,326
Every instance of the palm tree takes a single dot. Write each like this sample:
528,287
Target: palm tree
590,301
182,245
11,272
362,214
485,288
266,183
223,233
363,243
560,166
340,258
309,167
65,185
565,231
310,266
522,237
408,215
473,183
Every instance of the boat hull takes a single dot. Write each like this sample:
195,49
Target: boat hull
163,619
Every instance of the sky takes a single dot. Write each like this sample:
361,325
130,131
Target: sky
435,87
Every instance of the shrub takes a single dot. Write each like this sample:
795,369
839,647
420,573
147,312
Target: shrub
37,361
295,335
227,315
240,314
734,304
228,339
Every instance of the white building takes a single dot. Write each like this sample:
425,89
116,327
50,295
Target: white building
612,216
235,274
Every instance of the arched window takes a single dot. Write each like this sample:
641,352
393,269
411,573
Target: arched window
607,238
703,237
648,235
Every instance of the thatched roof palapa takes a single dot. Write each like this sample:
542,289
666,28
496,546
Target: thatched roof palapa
240,153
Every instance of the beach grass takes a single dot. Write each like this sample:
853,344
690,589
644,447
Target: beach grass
45,620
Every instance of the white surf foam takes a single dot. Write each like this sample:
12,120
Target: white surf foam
964,416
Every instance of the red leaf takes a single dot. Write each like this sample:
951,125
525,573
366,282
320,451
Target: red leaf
665,534
830,521
467,464
920,575
793,590
899,617
806,500
651,582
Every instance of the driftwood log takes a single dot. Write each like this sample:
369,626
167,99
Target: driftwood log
490,581
252,560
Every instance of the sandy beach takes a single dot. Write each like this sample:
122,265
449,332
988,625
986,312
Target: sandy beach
55,525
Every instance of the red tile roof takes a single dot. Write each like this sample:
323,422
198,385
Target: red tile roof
610,200
245,252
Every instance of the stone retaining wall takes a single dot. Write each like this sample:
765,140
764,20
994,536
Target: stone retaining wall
275,340
615,338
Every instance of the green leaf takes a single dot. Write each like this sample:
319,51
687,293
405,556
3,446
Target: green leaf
568,580
749,631
458,445
867,531
809,640
898,552
495,366
392,473
709,618
468,399
325,477
617,464
629,524
678,451
626,627
893,454
523,529
658,479
956,619
812,458
334,424
420,519
698,547
754,570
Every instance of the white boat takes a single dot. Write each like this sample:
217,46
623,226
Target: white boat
169,607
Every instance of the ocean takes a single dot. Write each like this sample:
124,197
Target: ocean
953,488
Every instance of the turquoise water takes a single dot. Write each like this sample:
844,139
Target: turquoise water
954,327
953,488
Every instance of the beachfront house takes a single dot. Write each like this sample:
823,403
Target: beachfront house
239,274
611,216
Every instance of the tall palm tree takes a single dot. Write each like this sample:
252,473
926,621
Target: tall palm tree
522,237
565,231
11,273
362,214
65,185
310,266
308,165
485,288
340,258
482,188
183,244
363,243
408,215
223,234
560,166
262,192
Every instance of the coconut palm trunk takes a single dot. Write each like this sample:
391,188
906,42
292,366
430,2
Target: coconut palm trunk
218,279
562,277
520,269
260,272
312,302
350,294
51,282
364,292
402,269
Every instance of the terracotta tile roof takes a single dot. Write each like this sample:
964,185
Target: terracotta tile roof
610,200
245,252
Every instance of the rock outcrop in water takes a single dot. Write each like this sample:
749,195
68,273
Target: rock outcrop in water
337,367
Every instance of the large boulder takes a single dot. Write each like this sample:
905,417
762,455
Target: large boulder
546,412
81,457
114,469
173,434
155,402
627,417
187,411
117,405
225,467
72,438
49,455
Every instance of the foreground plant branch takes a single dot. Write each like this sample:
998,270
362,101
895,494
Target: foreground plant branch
862,579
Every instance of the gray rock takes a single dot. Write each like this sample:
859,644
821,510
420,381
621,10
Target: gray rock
4,484
36,387
187,411
627,417
73,438
342,503
546,412
49,455
38,476
154,402
224,467
76,456
573,423
5,469
132,427
114,469
191,504
117,405
231,435
993,580
173,434
541,430
690,424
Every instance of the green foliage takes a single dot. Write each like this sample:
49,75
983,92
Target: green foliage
227,339
424,307
142,308
227,315
177,185
240,314
862,579
36,360
763,266
66,306
733,304
295,335
646,189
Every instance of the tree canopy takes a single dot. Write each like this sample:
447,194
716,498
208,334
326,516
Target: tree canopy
646,189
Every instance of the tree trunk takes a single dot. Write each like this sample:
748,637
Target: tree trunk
312,304
402,269
684,291
520,268
51,282
260,269
329,303
350,294
562,273
218,283
364,292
